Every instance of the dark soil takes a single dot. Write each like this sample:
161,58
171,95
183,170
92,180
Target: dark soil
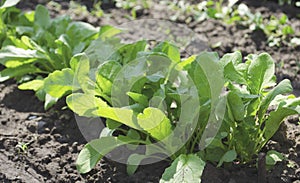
55,139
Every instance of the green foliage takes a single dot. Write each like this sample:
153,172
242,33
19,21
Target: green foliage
133,6
186,168
249,122
8,3
95,150
272,157
278,30
152,97
136,93
37,47
22,147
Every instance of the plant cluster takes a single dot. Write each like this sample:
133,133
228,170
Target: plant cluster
133,5
156,103
289,2
168,113
35,48
277,29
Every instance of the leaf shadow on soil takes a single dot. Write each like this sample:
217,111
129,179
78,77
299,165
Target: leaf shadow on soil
22,101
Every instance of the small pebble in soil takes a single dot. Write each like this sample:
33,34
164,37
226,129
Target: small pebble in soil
43,139
74,147
64,149
3,122
32,151
46,159
293,63
298,148
30,126
69,170
40,127
293,119
46,130
31,117
73,177
292,156
274,144
73,166
62,163
26,167
297,172
54,130
62,139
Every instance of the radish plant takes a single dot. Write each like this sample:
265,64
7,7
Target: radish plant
42,46
189,111
256,106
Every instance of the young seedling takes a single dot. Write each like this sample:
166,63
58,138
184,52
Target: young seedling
22,147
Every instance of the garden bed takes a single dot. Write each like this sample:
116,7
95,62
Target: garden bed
55,140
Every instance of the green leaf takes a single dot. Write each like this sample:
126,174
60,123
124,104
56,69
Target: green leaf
106,132
236,106
283,87
185,169
108,31
106,74
229,156
59,25
60,83
49,101
170,50
155,122
260,73
133,162
275,119
81,30
82,73
286,30
232,74
139,98
133,134
121,115
231,62
42,17
213,154
273,157
21,70
234,58
25,43
41,94
63,49
75,60
186,64
9,3
84,104
111,124
207,75
129,52
14,53
32,85
92,152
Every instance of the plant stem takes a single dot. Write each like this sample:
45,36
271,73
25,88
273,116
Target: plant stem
262,168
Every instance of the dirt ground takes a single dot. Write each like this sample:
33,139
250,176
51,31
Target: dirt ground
55,140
